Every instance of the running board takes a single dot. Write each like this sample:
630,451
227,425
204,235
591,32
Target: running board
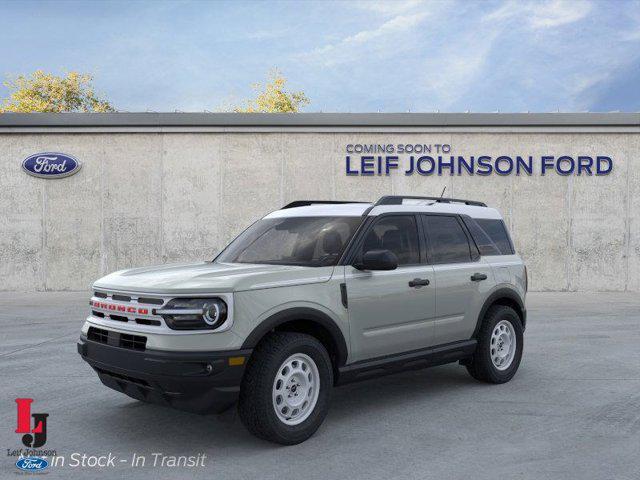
414,360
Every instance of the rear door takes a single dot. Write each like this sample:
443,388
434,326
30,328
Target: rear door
389,312
462,278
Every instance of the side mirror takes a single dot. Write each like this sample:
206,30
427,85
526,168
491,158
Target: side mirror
378,260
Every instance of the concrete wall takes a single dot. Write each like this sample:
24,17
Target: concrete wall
148,198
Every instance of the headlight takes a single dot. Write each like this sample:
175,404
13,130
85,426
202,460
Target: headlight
194,313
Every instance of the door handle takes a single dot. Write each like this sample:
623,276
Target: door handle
419,282
477,277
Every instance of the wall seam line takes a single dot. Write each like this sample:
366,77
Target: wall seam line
282,169
44,237
333,171
103,258
221,166
628,228
570,256
162,153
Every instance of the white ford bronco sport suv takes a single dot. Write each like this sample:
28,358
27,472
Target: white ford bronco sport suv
314,295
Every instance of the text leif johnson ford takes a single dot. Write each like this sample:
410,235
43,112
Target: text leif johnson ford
314,295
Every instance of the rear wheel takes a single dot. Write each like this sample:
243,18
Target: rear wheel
286,388
500,341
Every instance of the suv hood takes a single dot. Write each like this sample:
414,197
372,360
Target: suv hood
207,277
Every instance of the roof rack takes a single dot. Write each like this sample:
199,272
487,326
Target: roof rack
397,200
306,203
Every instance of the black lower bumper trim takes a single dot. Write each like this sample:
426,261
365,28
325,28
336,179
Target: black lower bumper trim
201,382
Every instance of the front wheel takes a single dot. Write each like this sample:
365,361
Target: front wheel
285,392
500,341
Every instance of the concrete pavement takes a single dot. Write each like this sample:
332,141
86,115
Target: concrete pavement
571,412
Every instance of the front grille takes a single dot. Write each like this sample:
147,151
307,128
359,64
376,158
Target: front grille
133,342
127,308
98,335
151,301
122,340
121,298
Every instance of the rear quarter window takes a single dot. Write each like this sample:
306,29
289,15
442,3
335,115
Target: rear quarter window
496,231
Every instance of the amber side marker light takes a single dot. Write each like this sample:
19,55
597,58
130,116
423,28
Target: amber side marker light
236,361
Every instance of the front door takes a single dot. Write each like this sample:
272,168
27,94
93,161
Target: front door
391,311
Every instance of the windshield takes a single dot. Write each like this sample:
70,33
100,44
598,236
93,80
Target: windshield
303,241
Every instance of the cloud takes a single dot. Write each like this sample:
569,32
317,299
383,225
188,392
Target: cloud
265,34
448,70
506,55
477,56
556,13
538,15
457,66
397,24
617,90
389,8
386,38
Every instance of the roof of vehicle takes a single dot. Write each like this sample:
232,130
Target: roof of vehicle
409,205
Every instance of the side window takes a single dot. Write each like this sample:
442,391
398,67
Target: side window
497,232
484,243
447,240
398,234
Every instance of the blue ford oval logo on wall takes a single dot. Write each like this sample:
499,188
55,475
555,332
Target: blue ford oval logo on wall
32,464
51,165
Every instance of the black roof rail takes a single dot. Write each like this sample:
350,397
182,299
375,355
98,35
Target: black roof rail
397,200
306,203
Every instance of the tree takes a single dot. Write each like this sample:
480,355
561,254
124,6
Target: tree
273,98
45,92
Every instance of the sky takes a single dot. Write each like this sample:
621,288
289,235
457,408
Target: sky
347,56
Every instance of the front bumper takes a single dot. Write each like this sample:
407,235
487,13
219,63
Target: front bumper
200,382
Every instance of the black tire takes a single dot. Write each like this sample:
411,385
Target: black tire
480,366
256,407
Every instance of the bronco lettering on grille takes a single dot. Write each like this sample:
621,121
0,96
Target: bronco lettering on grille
119,308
